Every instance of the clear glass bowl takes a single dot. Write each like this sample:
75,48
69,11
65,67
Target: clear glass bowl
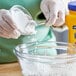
42,59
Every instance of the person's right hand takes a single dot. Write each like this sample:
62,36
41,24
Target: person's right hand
15,22
7,26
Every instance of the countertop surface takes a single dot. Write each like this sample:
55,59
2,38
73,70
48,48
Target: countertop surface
11,69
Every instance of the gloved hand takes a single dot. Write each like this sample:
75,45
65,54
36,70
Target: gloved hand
7,26
15,22
54,12
23,20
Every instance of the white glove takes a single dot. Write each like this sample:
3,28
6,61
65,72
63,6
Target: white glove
15,22
7,26
54,12
23,20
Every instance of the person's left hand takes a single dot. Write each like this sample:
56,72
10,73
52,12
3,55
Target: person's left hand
54,12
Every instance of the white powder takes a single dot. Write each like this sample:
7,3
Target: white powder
30,68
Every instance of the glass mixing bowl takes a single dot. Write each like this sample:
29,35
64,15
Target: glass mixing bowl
36,58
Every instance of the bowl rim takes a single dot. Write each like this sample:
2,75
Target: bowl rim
56,59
